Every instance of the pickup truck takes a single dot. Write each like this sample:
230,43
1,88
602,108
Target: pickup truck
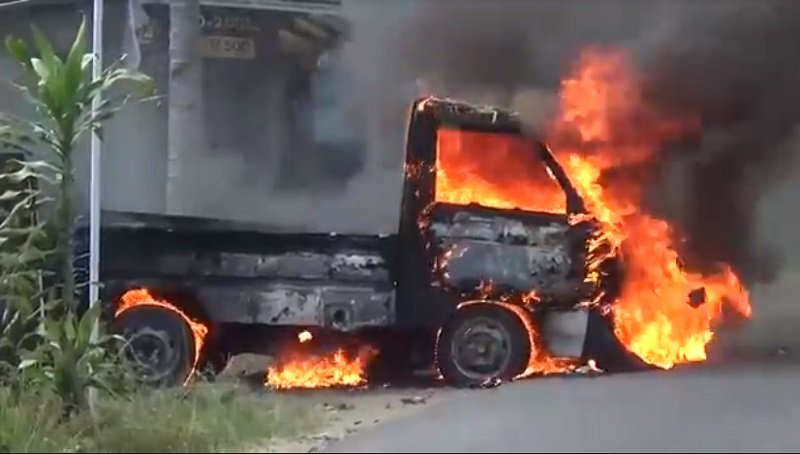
249,283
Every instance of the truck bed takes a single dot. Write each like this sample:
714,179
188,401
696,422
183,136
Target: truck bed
236,272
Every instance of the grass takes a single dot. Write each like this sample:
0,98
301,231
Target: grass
207,419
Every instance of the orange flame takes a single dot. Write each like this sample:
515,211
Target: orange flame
490,179
304,336
322,372
540,362
603,106
605,124
142,297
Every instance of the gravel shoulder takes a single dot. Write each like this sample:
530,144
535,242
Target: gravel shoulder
337,413
346,413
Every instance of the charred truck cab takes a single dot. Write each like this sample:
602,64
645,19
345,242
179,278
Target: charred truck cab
461,280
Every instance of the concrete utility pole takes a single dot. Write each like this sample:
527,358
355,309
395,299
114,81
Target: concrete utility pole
94,183
185,128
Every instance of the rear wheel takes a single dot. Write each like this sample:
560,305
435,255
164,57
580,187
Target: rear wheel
159,349
482,343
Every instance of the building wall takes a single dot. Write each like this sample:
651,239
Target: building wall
59,24
133,161
257,129
134,149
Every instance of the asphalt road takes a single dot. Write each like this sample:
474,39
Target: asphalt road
744,408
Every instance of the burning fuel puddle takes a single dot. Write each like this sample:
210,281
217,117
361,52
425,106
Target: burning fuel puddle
259,383
421,383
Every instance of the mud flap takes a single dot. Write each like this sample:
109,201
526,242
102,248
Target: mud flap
603,346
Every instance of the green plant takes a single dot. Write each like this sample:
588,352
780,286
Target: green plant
24,250
68,362
43,341
214,418
209,419
34,424
62,91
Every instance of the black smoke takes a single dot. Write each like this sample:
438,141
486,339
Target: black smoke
734,63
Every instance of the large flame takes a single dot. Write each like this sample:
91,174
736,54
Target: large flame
143,297
604,125
507,177
602,105
305,371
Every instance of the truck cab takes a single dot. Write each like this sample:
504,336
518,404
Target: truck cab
499,227
480,227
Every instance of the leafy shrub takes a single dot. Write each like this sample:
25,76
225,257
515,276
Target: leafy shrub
209,419
68,361
43,341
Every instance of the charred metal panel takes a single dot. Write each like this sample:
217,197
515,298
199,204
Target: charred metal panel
359,266
349,308
290,265
145,252
467,225
337,307
347,266
468,116
303,265
171,263
298,265
340,281
516,254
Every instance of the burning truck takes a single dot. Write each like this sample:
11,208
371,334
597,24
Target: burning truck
500,236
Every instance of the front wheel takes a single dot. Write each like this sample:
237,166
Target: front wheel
480,343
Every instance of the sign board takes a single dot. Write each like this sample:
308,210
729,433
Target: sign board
214,21
228,47
228,34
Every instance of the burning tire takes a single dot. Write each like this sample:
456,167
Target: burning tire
482,343
159,348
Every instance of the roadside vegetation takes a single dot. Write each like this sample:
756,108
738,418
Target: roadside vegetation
63,389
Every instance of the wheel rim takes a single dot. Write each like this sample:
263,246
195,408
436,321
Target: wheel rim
481,348
150,354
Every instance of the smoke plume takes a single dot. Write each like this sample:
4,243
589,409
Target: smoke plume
733,63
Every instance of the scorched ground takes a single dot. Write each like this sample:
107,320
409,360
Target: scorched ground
501,237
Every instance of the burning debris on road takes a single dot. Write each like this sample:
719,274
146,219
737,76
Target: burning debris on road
333,371
296,370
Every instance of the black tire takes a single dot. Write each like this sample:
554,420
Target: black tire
491,326
159,348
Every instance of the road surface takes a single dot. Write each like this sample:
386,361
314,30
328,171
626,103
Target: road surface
743,408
